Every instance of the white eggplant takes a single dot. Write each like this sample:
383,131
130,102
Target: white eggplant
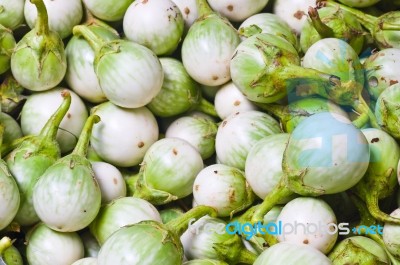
129,74
110,180
308,221
223,188
188,10
67,196
380,70
48,247
117,139
229,99
293,12
237,10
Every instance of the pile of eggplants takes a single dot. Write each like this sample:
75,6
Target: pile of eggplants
199,132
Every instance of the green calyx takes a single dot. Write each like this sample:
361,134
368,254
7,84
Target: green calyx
249,31
9,255
10,94
387,110
358,250
233,252
281,72
142,190
331,22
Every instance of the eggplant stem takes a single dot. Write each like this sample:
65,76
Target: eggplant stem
323,30
94,40
362,107
82,145
5,243
373,207
206,107
203,8
42,22
277,110
180,224
50,129
279,192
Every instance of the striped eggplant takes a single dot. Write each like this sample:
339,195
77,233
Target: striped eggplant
292,254
179,92
11,13
38,62
81,76
162,247
168,171
380,70
107,10
119,213
129,74
208,47
336,57
67,196
331,22
239,132
198,131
